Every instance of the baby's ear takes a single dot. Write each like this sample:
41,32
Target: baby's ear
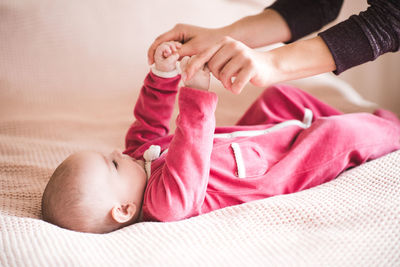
123,213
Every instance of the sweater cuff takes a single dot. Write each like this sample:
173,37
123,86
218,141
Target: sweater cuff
301,16
166,74
162,84
306,16
348,45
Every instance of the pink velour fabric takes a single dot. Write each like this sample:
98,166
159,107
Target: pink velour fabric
198,173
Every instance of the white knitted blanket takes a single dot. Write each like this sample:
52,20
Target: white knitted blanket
51,50
353,220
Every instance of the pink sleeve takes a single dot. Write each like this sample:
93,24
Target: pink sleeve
179,190
153,111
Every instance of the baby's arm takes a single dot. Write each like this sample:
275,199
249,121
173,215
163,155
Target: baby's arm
178,190
154,106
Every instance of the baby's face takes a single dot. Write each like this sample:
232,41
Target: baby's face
113,178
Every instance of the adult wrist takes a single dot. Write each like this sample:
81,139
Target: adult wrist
276,68
300,59
265,28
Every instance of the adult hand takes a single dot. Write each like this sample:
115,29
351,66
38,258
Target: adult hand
194,39
232,57
201,79
229,59
234,64
224,56
257,30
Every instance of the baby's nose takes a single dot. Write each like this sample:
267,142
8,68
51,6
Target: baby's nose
117,153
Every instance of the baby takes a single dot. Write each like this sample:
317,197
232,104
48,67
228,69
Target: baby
287,141
91,192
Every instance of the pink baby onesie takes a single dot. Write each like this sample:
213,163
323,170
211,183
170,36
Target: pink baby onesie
287,141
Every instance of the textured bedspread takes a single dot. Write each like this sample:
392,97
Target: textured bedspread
69,75
353,220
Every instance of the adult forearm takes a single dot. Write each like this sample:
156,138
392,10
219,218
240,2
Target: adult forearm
265,28
300,59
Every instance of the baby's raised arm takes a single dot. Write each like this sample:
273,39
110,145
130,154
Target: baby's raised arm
154,106
179,189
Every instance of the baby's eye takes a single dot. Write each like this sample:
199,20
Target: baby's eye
115,164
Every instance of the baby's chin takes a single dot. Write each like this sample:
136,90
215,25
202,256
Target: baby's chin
133,161
138,168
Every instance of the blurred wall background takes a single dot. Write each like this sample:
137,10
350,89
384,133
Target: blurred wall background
99,45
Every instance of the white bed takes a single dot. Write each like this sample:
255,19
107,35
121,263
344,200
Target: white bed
60,92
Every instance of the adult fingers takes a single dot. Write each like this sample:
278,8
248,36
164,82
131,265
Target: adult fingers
206,68
242,78
173,34
184,62
220,59
187,49
198,62
231,68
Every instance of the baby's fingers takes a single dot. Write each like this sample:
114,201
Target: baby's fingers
170,48
174,46
172,34
173,58
167,51
202,58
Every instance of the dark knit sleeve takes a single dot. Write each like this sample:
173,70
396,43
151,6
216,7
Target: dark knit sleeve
307,16
366,36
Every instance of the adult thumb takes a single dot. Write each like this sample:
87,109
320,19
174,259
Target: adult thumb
186,50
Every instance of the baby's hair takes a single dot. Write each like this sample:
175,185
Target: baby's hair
60,195
64,203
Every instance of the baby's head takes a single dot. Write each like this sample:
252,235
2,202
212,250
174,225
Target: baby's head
96,193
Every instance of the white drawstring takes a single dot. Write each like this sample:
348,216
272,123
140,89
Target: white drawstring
307,119
241,169
152,153
168,74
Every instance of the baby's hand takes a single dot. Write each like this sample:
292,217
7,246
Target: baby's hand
166,56
200,80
